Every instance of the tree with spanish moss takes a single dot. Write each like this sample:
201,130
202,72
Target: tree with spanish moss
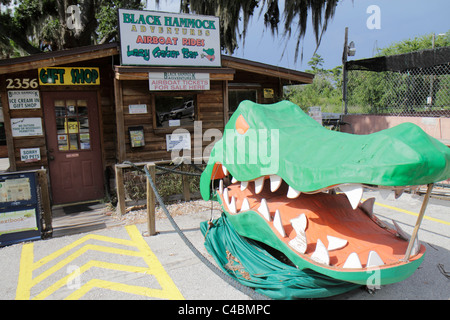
235,16
34,26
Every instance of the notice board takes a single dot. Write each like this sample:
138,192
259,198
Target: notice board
19,208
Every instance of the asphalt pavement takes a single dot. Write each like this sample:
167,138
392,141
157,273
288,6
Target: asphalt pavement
119,263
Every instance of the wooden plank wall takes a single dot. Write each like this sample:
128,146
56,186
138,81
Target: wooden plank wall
263,81
107,114
16,143
107,118
210,110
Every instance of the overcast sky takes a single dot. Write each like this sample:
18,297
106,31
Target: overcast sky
372,24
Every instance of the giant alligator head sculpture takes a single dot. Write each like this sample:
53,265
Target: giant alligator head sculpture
297,187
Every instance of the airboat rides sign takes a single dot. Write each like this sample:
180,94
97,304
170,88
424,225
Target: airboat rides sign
169,39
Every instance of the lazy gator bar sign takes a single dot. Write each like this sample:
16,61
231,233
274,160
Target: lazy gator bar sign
154,38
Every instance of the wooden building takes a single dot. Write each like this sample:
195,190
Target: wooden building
78,112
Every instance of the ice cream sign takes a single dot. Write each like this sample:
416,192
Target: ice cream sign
169,39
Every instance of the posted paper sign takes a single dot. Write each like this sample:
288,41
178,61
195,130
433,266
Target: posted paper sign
22,127
30,155
171,81
137,108
178,141
20,99
154,38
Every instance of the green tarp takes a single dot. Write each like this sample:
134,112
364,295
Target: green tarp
250,264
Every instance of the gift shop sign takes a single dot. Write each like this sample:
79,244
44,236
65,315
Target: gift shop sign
154,38
162,81
68,76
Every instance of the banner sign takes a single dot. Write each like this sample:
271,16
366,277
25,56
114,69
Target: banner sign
154,38
178,81
69,76
15,221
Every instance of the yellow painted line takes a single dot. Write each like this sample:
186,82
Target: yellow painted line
90,264
77,254
104,284
165,281
154,268
26,272
411,213
78,242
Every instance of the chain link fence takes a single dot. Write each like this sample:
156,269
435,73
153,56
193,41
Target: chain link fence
421,92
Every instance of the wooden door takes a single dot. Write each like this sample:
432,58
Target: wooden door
73,144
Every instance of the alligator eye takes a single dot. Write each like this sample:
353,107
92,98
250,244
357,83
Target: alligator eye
241,125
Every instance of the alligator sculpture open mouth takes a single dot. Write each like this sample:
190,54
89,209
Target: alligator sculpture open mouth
297,187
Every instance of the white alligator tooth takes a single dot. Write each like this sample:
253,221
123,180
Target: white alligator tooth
335,243
402,234
278,224
221,186
225,171
300,223
264,209
292,193
352,262
275,182
245,205
299,243
384,193
259,184
353,192
232,205
398,193
374,260
225,196
233,180
367,206
244,185
321,254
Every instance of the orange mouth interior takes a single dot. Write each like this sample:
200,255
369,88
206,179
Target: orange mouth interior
327,214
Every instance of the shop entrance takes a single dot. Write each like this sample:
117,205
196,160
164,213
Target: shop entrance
73,142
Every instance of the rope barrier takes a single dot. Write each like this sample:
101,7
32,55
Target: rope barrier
234,283
186,173
166,172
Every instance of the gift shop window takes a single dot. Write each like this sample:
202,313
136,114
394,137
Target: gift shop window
72,125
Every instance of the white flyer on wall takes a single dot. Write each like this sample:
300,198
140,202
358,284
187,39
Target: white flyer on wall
178,141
